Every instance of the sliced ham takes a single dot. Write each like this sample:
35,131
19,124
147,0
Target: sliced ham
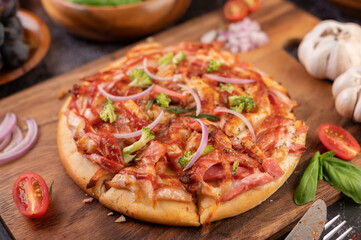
104,162
176,97
271,167
247,183
297,148
217,173
154,152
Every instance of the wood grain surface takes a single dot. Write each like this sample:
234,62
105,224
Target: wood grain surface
69,218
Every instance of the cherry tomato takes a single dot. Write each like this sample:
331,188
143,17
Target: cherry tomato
31,195
235,10
253,5
337,139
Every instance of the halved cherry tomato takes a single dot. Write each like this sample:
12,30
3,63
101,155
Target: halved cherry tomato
31,195
253,5
337,139
235,10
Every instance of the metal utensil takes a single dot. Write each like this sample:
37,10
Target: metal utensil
311,224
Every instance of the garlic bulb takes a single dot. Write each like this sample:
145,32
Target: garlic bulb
347,91
330,49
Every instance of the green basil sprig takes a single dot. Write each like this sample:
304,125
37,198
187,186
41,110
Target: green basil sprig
178,110
306,189
343,175
204,115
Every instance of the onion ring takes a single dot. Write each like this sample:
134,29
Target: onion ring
195,96
24,145
7,125
244,119
139,132
17,136
229,80
201,147
5,142
151,75
124,98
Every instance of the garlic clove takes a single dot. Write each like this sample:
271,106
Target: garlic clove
350,78
357,110
330,49
346,101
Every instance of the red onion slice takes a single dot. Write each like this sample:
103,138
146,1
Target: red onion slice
151,75
5,142
201,147
7,125
139,132
195,96
244,119
24,145
17,136
229,80
124,98
281,95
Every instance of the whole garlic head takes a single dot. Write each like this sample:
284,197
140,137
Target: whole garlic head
330,49
347,91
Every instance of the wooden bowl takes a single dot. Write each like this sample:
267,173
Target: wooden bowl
37,37
115,23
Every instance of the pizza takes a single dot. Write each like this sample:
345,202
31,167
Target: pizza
180,135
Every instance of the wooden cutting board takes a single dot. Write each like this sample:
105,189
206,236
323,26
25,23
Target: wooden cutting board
69,218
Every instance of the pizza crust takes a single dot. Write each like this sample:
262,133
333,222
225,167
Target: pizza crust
164,212
82,170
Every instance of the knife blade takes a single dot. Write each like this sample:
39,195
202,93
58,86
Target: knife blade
311,224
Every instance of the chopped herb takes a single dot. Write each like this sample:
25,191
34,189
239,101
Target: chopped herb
147,135
238,103
149,104
179,57
163,100
213,65
179,110
139,78
227,87
208,149
235,166
166,59
108,111
203,115
51,190
187,157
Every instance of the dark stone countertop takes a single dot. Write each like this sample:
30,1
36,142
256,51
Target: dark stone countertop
67,52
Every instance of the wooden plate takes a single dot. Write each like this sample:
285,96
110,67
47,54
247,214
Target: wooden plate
37,37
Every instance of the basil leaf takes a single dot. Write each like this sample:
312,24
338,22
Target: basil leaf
324,156
343,175
149,104
179,110
203,115
306,189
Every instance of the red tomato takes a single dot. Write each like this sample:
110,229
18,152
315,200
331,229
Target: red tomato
253,5
235,10
31,195
337,139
